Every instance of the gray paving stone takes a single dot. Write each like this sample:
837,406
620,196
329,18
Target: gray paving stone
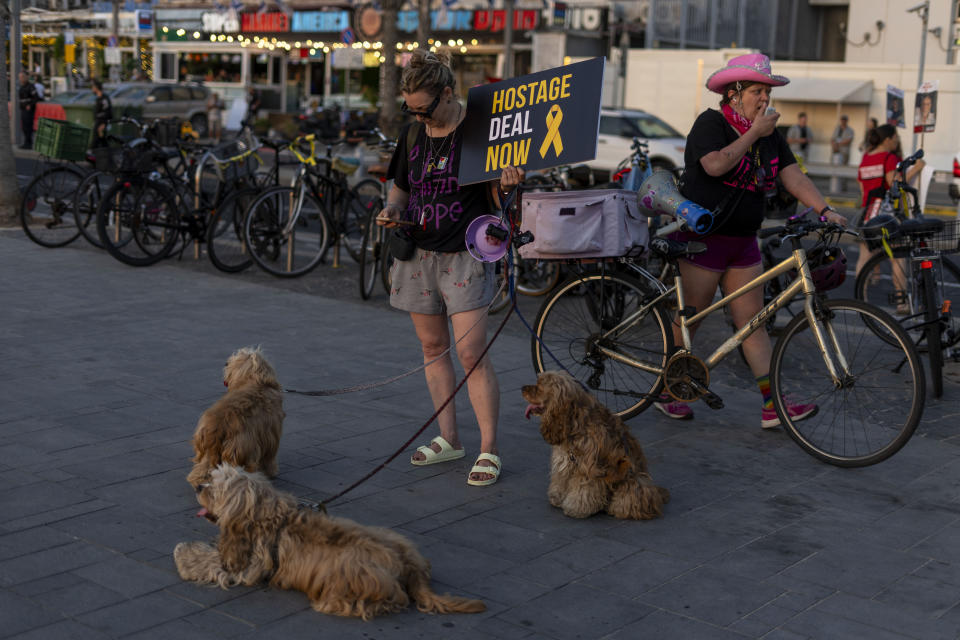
64,630
141,613
31,540
264,605
19,614
128,577
710,595
80,598
562,614
857,569
48,562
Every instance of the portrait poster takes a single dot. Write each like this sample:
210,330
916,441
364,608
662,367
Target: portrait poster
536,121
925,109
895,107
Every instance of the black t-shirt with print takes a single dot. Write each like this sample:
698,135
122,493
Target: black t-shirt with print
445,208
712,132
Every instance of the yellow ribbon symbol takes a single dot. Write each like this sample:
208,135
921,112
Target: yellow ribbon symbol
554,118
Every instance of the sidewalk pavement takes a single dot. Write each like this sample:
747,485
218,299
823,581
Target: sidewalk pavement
107,369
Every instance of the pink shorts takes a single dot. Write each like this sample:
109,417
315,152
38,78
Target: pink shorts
723,252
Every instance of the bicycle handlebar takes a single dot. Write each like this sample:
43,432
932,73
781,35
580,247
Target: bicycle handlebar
909,161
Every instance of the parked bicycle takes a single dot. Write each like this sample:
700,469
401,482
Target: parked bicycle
908,274
287,230
609,325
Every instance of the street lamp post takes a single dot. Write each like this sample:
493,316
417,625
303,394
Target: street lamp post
923,10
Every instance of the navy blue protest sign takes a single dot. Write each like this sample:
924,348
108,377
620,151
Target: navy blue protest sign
540,120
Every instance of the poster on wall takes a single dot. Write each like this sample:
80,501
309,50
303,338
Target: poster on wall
895,107
544,119
925,110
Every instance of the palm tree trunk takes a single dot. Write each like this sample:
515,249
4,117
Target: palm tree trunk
423,22
9,191
389,72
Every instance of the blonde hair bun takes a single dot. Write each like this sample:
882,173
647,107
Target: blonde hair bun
427,71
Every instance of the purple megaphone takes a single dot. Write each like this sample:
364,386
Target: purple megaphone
481,244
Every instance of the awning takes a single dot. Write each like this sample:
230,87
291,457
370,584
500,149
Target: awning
829,90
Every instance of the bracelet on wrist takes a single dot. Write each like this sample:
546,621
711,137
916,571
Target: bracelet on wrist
823,211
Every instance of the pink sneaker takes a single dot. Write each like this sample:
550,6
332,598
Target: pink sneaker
770,420
673,409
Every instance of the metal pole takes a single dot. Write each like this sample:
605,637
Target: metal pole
952,26
924,12
651,29
508,39
16,64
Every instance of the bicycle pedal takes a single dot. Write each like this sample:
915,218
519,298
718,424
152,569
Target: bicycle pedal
712,400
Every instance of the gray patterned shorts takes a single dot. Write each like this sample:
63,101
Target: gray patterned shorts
435,283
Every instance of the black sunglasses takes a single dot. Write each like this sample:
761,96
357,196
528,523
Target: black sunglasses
423,114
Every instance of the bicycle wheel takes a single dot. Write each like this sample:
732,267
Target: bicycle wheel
570,324
365,197
46,207
138,221
225,232
278,246
885,283
536,277
86,201
874,410
932,328
370,254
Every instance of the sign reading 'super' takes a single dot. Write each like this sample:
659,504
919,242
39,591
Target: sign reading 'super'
541,120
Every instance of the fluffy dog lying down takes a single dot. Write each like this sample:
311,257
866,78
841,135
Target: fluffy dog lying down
595,464
345,568
244,426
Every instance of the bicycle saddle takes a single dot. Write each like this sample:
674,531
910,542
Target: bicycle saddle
922,226
672,249
274,143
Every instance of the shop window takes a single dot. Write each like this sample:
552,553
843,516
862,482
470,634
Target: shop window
160,94
168,68
259,69
275,76
210,67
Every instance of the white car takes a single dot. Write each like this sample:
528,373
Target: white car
619,127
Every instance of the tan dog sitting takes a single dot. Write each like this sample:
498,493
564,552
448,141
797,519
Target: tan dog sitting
595,464
244,426
345,568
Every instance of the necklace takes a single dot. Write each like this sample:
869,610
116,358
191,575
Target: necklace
441,160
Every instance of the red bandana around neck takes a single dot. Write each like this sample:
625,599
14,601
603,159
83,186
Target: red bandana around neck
736,120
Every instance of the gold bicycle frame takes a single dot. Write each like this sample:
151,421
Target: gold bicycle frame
803,283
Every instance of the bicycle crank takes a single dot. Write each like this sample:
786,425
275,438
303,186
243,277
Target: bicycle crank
686,378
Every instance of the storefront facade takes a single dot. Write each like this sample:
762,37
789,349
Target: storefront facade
332,56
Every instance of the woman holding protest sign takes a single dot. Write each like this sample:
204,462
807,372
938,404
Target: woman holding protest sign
439,279
733,159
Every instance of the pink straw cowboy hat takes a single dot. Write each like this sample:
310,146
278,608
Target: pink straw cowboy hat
752,67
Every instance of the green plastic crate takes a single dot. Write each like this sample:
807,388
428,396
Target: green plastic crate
61,139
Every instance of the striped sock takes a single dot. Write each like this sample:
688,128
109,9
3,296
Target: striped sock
764,383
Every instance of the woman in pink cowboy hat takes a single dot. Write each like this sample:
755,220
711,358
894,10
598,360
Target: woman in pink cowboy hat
733,158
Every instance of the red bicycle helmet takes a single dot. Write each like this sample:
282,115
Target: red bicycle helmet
828,266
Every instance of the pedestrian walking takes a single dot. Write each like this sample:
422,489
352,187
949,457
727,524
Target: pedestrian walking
27,99
102,114
840,143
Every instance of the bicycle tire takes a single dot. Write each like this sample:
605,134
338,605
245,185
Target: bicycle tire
365,197
224,239
46,207
86,200
569,324
932,329
292,254
536,277
138,221
370,255
875,411
876,285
